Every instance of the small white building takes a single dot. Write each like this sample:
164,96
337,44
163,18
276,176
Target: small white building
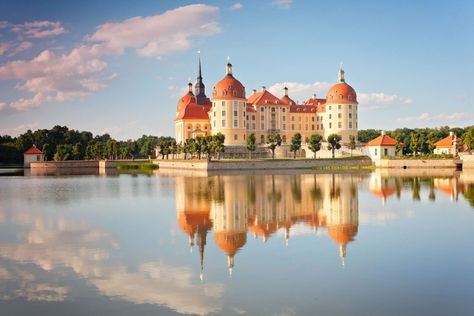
382,146
449,145
32,155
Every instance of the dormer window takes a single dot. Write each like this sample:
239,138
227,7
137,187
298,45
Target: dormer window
340,96
234,93
350,96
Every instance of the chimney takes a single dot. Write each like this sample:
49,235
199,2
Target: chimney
286,91
451,133
254,91
264,88
382,133
314,95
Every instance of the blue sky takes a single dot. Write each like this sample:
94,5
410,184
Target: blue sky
119,67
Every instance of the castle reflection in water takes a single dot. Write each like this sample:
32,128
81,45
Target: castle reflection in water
234,205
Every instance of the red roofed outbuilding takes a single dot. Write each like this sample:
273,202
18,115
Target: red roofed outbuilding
449,145
382,146
32,155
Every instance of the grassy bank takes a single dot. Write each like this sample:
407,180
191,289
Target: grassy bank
137,166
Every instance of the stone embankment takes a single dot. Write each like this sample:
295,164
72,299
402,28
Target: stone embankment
417,163
265,164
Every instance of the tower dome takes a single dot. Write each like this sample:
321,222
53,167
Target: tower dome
229,87
341,92
186,99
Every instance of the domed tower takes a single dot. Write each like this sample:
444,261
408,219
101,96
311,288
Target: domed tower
228,112
341,110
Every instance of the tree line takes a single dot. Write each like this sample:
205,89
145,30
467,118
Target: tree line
211,146
420,140
61,143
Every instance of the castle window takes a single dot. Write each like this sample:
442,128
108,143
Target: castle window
330,108
339,107
247,117
292,127
330,116
262,139
214,114
214,123
253,125
312,118
223,103
292,118
284,126
273,110
283,118
189,126
350,97
330,125
340,96
223,123
284,110
350,124
262,109
339,124
262,118
236,113
350,115
339,115
253,117
234,93
248,126
317,126
312,127
235,136
236,123
350,105
283,139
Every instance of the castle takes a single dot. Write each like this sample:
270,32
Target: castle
235,115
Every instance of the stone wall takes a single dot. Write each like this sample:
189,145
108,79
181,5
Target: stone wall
415,163
467,161
263,165
65,164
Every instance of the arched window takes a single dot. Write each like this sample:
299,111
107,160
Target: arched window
283,139
262,139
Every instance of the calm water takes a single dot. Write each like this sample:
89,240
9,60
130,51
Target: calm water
355,243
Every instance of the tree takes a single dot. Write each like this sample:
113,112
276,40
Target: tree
218,144
251,144
164,148
188,147
198,146
315,143
352,143
295,144
333,143
273,141
367,135
47,151
468,138
62,152
416,143
77,151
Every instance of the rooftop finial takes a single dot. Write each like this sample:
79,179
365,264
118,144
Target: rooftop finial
286,91
229,67
341,73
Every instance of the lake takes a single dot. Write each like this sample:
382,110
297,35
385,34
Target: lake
366,242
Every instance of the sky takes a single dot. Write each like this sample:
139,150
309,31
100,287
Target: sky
119,67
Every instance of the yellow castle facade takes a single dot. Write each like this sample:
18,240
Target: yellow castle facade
234,114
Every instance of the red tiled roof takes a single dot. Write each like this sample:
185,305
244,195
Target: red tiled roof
383,140
447,141
263,97
287,100
193,111
250,108
315,101
33,151
229,88
341,93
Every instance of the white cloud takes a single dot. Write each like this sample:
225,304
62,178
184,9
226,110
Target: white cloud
282,4
236,6
4,47
154,36
51,77
39,29
441,118
21,47
13,131
300,91
380,100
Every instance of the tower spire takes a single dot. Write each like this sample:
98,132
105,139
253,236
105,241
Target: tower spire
199,88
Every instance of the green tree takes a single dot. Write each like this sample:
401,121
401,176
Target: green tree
352,143
218,144
77,151
188,147
273,141
295,144
468,138
47,151
63,152
315,143
416,143
251,139
334,143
